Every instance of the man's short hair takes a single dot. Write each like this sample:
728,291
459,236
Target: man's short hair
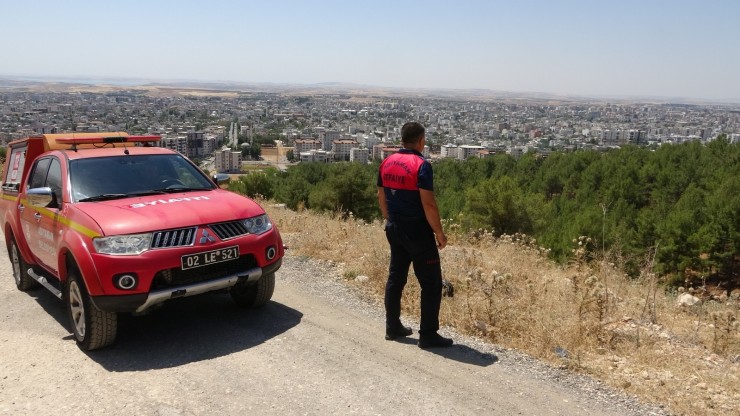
412,132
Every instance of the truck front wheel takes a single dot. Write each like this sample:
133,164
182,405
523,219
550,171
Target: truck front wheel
256,294
20,269
92,327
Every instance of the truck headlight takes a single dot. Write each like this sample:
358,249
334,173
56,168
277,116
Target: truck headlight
123,245
258,225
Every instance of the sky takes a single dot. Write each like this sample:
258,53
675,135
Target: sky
598,48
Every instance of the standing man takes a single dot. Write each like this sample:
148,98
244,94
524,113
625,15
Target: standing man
406,198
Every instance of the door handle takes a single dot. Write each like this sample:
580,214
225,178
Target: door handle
21,207
37,216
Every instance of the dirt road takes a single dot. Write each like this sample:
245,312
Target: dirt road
315,350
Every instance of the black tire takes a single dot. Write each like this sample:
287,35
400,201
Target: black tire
23,281
256,294
91,327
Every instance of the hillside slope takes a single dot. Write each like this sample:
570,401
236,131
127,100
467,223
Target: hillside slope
587,317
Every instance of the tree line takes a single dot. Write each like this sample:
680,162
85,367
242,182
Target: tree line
680,204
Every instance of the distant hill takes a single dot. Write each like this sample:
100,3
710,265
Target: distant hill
80,83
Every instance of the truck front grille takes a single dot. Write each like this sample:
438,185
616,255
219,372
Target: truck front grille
226,230
173,238
184,237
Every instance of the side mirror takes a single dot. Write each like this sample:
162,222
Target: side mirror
41,197
221,179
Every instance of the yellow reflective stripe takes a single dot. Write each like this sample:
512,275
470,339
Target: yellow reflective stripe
79,228
10,198
54,215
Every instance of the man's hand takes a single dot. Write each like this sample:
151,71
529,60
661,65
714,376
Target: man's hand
431,212
441,240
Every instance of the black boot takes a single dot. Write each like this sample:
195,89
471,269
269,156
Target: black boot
400,331
433,340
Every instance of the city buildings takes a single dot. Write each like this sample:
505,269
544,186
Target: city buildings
332,127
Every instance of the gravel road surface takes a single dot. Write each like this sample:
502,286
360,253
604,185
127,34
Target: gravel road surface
316,349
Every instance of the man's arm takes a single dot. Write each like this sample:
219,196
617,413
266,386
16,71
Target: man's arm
382,202
431,212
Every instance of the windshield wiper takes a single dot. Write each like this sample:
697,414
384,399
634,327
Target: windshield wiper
103,197
180,189
160,191
145,193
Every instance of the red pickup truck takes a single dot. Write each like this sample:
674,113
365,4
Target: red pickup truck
111,224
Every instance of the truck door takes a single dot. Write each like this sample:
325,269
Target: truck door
40,222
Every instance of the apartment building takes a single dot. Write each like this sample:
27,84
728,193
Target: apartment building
465,151
315,155
328,139
209,145
449,150
305,145
178,144
381,152
341,148
226,160
359,155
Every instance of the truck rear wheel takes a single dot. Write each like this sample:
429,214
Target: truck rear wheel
256,294
23,281
92,327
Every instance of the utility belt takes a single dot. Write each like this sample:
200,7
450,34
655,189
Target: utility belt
403,218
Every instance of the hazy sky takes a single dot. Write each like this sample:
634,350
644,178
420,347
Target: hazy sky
667,48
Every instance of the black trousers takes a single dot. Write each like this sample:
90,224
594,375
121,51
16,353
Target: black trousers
413,242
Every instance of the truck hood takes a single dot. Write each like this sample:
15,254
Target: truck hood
169,211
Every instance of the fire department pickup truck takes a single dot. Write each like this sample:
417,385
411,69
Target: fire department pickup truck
110,224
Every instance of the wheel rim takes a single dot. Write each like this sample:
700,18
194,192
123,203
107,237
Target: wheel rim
77,308
15,259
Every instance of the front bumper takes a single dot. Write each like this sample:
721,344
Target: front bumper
142,302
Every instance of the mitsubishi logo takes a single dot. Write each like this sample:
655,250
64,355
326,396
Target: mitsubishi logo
207,238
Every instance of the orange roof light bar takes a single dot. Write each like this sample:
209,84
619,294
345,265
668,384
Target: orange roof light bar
107,139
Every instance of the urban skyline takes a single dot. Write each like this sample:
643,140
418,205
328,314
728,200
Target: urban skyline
625,49
197,123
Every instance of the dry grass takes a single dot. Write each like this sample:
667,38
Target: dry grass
587,316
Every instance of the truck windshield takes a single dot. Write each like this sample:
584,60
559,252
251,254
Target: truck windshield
96,179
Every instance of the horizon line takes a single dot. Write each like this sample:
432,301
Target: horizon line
535,95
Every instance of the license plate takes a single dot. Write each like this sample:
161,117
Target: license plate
206,258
